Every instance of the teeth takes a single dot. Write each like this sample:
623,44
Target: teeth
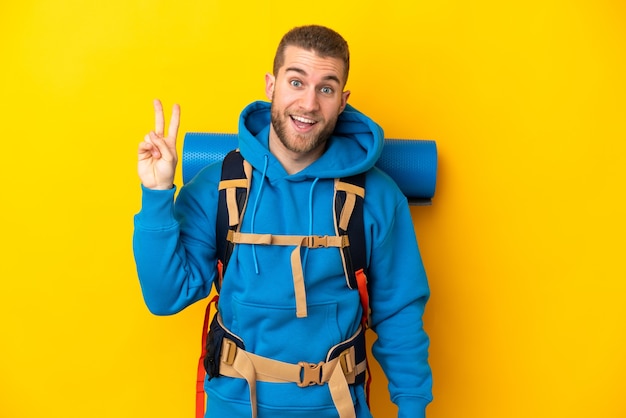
303,120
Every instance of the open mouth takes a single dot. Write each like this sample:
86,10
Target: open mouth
302,123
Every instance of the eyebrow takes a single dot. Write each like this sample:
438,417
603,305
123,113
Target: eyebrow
331,77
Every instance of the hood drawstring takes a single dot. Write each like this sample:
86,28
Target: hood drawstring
254,208
306,252
254,211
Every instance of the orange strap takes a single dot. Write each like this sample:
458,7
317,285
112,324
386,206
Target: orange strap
200,400
361,280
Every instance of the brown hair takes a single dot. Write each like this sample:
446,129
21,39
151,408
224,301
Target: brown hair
323,41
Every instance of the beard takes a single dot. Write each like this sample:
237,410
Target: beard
300,143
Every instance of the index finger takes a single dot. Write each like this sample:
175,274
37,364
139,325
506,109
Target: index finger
174,122
159,123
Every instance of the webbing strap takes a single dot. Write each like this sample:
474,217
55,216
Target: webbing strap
299,289
352,191
244,368
231,202
230,186
312,241
350,188
346,212
236,362
340,393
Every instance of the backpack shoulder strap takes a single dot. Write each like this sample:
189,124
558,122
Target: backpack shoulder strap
233,196
349,198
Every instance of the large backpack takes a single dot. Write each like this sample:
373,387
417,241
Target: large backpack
350,239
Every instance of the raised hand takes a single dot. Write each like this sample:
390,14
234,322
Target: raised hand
157,152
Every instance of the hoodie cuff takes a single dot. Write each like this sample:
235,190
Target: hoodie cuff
157,209
411,407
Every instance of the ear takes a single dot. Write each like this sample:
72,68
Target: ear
344,100
270,81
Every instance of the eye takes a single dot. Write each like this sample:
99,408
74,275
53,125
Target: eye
326,90
296,83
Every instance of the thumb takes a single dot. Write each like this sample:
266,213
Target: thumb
161,147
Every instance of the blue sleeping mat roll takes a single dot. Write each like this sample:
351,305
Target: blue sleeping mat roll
411,163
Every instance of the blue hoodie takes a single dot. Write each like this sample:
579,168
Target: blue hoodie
174,247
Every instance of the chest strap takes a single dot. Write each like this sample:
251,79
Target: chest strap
299,241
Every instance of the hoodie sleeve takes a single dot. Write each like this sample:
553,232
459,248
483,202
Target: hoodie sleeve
398,295
173,245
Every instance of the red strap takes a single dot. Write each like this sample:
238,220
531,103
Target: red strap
220,273
200,401
361,281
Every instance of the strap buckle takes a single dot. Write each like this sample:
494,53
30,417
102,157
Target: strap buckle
229,351
310,374
347,361
317,241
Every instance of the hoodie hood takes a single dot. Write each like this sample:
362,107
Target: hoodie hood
354,147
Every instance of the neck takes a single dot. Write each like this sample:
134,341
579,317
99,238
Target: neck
292,161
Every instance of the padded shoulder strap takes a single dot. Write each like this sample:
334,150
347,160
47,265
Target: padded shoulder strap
233,196
349,195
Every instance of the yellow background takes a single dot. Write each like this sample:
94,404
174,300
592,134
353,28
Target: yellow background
524,245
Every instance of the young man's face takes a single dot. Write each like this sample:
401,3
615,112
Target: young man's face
307,97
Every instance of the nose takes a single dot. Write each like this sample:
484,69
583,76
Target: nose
309,100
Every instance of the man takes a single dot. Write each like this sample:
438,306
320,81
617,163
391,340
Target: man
297,146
